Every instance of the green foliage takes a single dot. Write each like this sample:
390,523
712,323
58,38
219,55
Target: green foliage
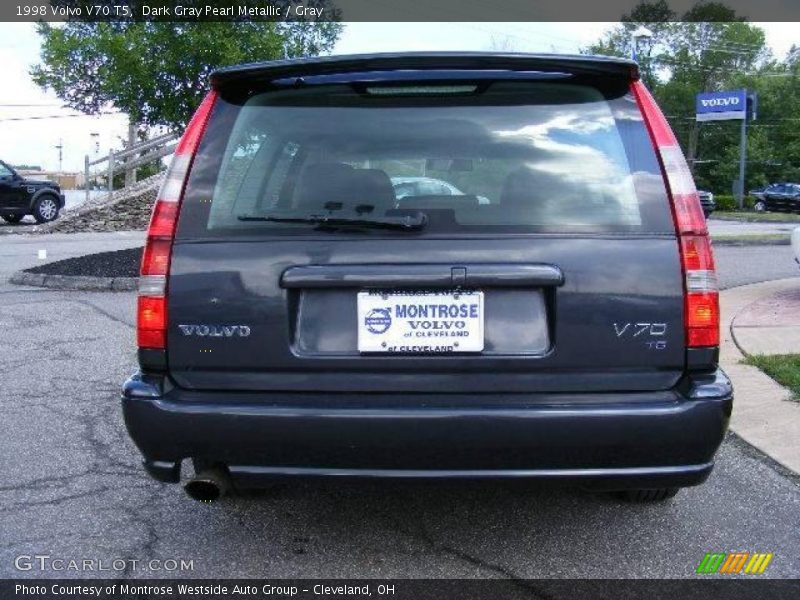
725,202
658,18
783,368
157,72
142,172
711,48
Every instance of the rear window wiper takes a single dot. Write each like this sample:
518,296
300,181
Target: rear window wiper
413,221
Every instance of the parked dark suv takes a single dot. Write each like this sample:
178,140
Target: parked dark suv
707,202
780,197
20,197
295,319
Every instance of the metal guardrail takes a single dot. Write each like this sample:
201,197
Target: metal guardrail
141,147
129,159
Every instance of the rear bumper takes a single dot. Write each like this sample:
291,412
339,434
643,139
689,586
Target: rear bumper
658,439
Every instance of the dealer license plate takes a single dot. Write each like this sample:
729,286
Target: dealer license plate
420,322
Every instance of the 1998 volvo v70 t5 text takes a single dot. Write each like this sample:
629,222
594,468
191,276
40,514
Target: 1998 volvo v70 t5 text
557,319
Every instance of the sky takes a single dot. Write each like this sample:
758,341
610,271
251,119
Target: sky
28,140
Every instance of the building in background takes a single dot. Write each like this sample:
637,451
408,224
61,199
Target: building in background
67,181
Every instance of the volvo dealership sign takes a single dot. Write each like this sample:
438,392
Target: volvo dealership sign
720,106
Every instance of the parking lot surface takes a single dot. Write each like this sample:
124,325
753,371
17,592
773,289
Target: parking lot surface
73,488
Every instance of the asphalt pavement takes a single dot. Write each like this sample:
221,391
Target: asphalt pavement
740,265
72,485
27,250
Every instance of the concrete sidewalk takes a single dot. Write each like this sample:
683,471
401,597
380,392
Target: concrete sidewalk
770,325
762,318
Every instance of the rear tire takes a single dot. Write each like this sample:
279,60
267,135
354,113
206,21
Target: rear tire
13,219
760,206
656,495
46,209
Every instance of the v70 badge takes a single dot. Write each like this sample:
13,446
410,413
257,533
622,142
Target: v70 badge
645,332
639,329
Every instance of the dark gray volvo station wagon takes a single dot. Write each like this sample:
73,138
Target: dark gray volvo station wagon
557,319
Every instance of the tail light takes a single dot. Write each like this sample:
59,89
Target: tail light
151,314
701,293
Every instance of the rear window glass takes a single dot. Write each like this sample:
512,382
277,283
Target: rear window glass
509,156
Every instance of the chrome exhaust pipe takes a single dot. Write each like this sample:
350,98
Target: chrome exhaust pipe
208,485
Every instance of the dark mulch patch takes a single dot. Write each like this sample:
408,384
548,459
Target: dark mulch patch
120,263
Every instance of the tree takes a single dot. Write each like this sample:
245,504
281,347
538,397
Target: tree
708,48
705,50
501,43
157,72
657,17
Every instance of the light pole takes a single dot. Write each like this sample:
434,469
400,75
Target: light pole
60,148
639,33
95,137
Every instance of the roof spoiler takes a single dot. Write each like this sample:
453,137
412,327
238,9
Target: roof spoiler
473,61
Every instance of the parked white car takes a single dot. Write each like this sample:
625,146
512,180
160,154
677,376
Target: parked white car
796,243
427,186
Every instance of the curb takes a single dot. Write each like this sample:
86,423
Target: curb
74,282
759,221
745,242
732,331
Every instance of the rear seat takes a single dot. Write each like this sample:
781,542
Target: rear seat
338,186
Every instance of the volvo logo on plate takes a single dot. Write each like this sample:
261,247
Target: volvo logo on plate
378,320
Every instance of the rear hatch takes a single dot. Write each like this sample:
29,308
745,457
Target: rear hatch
423,230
